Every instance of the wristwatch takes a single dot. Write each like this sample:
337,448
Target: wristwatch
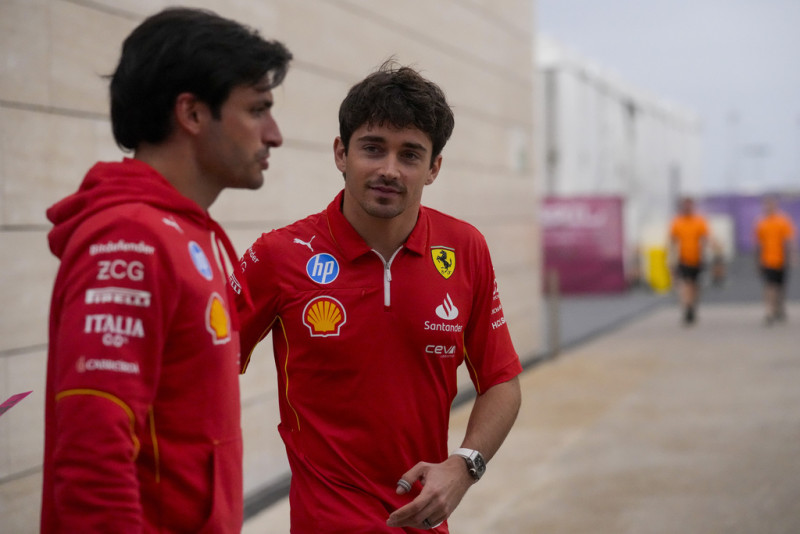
475,463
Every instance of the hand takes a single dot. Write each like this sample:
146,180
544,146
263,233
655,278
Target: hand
443,487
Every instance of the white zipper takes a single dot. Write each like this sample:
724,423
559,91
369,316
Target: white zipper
387,277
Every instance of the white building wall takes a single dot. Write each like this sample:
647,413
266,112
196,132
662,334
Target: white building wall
54,126
602,136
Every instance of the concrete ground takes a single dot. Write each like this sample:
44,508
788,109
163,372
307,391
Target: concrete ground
650,428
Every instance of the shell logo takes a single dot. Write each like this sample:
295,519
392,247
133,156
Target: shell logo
324,316
217,320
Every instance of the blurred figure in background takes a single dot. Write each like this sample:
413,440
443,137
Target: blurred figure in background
776,253
688,236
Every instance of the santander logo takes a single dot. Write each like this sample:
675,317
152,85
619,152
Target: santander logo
447,310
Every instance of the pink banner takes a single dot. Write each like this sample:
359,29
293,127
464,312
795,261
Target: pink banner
583,242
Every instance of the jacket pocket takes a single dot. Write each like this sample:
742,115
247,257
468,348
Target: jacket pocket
227,513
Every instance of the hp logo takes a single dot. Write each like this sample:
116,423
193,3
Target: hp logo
323,268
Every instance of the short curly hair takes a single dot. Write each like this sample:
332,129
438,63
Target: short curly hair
400,97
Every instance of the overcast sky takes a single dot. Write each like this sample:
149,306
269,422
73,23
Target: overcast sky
734,63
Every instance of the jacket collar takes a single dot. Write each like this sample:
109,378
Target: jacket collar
353,245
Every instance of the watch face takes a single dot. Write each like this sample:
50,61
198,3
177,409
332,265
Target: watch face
480,465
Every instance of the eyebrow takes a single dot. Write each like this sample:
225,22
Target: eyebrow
379,139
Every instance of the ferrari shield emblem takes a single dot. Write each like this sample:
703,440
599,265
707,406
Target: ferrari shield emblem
444,259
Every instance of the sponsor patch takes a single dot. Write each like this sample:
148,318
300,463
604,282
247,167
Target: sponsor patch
235,285
443,327
120,246
444,259
118,295
299,241
322,268
169,221
120,270
116,329
218,322
84,365
443,351
324,316
200,260
498,323
447,310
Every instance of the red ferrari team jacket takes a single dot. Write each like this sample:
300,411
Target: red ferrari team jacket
142,423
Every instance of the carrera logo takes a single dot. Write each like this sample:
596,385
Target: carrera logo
441,350
116,366
444,259
118,295
217,320
324,316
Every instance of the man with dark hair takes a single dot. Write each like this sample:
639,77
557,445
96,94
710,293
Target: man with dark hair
373,305
142,422
688,237
776,251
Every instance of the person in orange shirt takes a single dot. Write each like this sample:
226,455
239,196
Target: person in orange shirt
688,235
775,247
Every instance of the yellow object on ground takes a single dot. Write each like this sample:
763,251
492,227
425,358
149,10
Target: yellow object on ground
658,270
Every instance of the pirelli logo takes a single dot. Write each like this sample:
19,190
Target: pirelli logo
118,295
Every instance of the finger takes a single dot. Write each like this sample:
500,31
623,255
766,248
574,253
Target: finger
403,486
427,524
411,514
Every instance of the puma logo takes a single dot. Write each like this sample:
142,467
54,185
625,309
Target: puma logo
304,243
171,222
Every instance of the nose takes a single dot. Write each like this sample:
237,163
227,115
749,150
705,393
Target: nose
391,167
271,134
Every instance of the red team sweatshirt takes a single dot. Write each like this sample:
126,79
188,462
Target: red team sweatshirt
142,422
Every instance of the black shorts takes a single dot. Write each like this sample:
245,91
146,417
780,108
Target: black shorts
689,272
775,277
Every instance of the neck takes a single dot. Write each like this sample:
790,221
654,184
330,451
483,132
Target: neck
178,167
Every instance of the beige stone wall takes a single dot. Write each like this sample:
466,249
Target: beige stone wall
54,125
